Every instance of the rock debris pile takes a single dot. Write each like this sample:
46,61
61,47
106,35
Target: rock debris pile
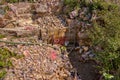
39,63
44,22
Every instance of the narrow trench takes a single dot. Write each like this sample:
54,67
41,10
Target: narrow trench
85,70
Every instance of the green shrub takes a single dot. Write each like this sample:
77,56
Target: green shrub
107,36
99,5
71,5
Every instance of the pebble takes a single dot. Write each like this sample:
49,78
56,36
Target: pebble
85,48
92,55
73,14
66,43
80,51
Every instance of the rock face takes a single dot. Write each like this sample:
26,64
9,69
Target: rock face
41,15
41,8
53,5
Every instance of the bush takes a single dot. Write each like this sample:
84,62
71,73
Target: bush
107,36
71,5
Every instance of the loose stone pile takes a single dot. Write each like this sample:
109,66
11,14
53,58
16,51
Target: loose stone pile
39,63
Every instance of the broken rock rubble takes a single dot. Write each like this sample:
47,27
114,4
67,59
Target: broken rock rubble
39,63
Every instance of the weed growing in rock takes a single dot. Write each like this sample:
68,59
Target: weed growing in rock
5,62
